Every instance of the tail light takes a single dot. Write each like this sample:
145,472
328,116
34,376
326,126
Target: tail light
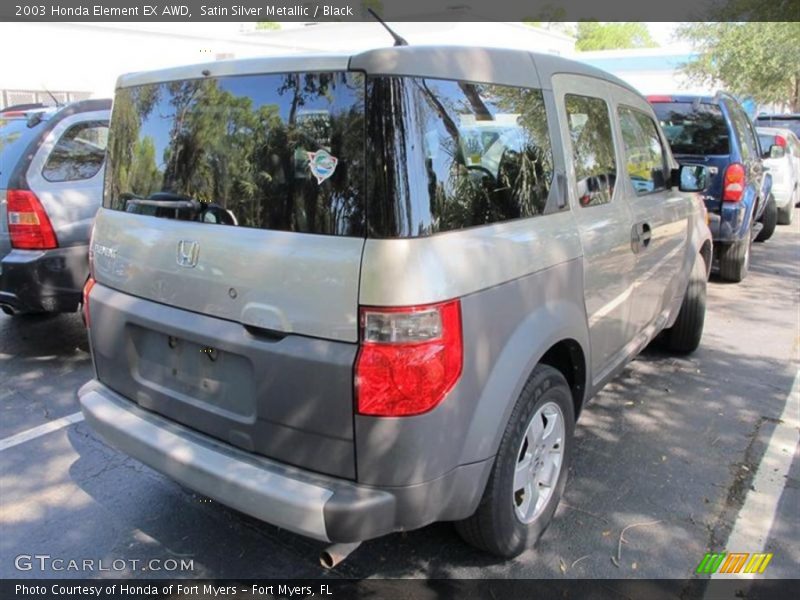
659,98
780,141
410,358
733,183
29,226
87,289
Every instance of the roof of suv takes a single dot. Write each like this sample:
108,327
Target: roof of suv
470,63
704,99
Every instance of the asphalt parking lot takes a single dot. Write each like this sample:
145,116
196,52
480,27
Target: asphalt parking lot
666,454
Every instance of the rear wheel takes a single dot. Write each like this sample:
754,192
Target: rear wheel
734,260
769,220
685,334
785,214
530,470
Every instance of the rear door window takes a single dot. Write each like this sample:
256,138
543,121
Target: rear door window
592,149
694,128
280,151
454,154
643,151
79,153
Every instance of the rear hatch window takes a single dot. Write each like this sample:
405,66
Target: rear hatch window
283,152
694,128
789,122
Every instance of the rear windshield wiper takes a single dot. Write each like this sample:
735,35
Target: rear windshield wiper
191,204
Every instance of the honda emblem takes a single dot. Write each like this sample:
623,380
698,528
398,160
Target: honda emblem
188,252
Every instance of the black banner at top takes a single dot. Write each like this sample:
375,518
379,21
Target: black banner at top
403,10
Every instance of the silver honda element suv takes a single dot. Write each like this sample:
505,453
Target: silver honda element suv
352,295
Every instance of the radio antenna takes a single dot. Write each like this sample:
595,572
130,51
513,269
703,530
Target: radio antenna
398,40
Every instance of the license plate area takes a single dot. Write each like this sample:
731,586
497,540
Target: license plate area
199,374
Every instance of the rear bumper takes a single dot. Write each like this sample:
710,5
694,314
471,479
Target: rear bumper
731,223
318,506
44,280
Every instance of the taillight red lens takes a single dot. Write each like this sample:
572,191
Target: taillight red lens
733,183
87,290
29,226
659,98
780,141
410,358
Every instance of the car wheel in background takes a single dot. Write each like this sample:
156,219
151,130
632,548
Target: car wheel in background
530,469
769,220
785,213
734,260
685,334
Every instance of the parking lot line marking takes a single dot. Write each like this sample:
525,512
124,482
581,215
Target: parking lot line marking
41,430
754,521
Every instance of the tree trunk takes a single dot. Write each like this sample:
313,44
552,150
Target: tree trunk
796,94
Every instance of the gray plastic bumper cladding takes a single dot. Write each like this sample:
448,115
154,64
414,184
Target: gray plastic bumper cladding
44,280
318,506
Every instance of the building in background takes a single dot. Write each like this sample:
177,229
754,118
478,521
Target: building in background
649,70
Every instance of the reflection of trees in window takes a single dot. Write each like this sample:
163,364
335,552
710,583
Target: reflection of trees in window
644,154
592,149
484,151
227,147
79,153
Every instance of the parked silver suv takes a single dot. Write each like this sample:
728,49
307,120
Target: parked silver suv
351,295
51,185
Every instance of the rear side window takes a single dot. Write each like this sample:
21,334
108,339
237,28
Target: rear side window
15,135
453,154
643,151
592,149
280,151
78,154
694,128
744,131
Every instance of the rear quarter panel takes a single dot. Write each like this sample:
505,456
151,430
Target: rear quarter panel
521,290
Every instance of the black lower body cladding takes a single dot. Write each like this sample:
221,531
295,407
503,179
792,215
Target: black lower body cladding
287,398
44,280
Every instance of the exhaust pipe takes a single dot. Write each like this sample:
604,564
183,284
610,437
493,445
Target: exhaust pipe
336,553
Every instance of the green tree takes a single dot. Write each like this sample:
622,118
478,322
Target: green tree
267,26
756,59
593,35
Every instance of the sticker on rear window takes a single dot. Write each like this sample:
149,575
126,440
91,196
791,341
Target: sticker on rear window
322,164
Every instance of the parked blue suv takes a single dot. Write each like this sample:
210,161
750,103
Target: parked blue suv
715,131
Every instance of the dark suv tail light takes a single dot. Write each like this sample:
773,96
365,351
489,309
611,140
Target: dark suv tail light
733,183
29,226
410,358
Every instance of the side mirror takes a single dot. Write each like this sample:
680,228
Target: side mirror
776,151
690,178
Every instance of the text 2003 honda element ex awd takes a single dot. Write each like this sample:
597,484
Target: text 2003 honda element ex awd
352,295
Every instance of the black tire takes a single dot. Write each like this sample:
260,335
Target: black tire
769,220
495,527
734,260
685,334
785,214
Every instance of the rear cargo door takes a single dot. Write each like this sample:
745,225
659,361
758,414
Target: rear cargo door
228,253
698,134
239,197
